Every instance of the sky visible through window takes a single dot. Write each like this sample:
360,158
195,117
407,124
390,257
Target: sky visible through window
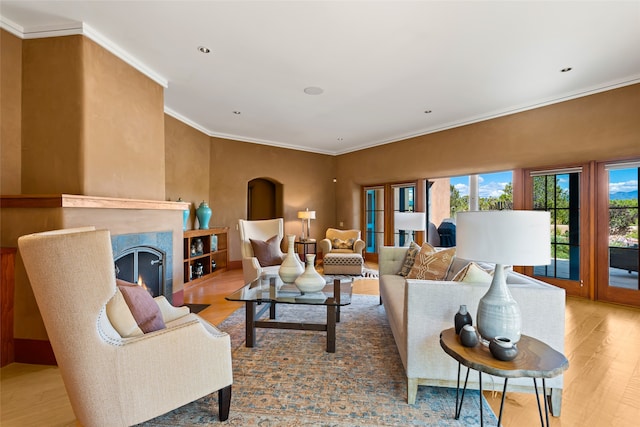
491,184
623,184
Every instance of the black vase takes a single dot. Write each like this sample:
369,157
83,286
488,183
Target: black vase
462,318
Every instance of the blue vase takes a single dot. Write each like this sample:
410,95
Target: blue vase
204,215
185,215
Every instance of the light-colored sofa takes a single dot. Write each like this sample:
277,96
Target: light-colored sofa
418,310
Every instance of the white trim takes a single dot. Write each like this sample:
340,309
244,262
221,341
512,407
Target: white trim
556,171
79,28
622,165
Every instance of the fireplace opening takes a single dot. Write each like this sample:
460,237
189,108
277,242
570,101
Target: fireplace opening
142,265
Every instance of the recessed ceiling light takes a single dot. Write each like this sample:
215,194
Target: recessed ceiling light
203,49
566,70
312,90
237,112
428,111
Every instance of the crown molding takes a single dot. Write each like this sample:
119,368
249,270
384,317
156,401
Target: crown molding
80,28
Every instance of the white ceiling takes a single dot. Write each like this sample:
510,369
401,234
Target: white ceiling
381,64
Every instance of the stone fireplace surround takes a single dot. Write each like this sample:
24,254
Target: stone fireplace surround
24,214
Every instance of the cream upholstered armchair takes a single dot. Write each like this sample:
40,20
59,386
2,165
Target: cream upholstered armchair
342,241
260,231
112,380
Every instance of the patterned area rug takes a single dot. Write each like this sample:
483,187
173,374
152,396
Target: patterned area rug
289,379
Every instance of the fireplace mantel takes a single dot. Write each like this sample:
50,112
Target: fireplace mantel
77,201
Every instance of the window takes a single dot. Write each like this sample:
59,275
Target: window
559,194
489,191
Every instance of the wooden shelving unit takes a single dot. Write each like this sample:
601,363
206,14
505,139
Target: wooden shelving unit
198,263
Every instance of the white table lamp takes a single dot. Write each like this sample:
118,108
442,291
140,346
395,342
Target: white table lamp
503,238
409,221
308,216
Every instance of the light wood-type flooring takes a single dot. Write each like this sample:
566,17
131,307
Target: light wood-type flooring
602,385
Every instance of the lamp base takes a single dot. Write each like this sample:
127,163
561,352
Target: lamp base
498,313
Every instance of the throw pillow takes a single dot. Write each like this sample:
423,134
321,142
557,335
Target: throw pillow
143,308
409,259
473,273
121,318
431,264
343,244
267,252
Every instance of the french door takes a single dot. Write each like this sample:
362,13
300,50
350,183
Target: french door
564,194
617,255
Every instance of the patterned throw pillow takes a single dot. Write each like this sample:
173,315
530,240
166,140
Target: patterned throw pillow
431,264
409,259
473,273
343,244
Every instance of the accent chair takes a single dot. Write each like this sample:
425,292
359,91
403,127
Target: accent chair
260,231
113,380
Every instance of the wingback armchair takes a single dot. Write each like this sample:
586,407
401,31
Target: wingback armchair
259,230
342,241
112,380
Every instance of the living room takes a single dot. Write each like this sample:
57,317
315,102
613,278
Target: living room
78,120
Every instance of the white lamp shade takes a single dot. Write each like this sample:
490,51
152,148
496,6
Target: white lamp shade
415,221
504,237
307,214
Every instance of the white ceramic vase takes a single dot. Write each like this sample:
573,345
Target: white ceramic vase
310,280
498,313
291,266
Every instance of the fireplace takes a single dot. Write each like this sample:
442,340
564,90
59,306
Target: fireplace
146,259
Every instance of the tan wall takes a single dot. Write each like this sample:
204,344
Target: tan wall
306,179
440,199
52,116
187,153
10,113
598,127
123,135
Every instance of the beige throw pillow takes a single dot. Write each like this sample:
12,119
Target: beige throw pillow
409,259
143,308
343,244
121,318
473,273
431,264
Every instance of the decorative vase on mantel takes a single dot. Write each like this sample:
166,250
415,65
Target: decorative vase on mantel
291,266
204,215
310,280
185,215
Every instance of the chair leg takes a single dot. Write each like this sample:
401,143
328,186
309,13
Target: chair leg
224,402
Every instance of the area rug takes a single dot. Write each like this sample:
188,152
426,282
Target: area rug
288,379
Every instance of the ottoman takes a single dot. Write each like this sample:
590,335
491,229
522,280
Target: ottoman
343,264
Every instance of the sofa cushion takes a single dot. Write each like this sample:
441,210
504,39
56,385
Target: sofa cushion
473,273
431,264
143,308
409,259
121,318
268,252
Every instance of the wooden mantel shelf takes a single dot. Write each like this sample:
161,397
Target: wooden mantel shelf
95,202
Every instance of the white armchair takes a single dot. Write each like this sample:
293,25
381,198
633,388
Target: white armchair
353,242
111,380
261,230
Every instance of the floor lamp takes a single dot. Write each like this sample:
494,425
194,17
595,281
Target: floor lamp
409,221
503,238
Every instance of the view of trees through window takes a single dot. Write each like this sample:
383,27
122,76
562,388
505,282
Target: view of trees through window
495,192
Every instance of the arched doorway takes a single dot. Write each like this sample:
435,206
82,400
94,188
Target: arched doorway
264,199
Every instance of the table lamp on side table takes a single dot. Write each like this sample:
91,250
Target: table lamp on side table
308,216
409,221
503,238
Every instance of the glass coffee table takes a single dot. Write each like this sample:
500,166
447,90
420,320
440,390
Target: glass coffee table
271,291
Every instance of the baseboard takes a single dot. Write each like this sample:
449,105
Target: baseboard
35,352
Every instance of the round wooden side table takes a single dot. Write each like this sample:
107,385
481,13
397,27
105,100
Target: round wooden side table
535,359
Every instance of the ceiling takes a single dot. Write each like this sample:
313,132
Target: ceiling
388,70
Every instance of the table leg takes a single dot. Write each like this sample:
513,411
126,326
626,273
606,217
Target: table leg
504,393
481,417
250,321
336,296
331,326
544,397
272,311
535,386
466,378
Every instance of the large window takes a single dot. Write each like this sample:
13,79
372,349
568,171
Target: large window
489,191
559,194
374,218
